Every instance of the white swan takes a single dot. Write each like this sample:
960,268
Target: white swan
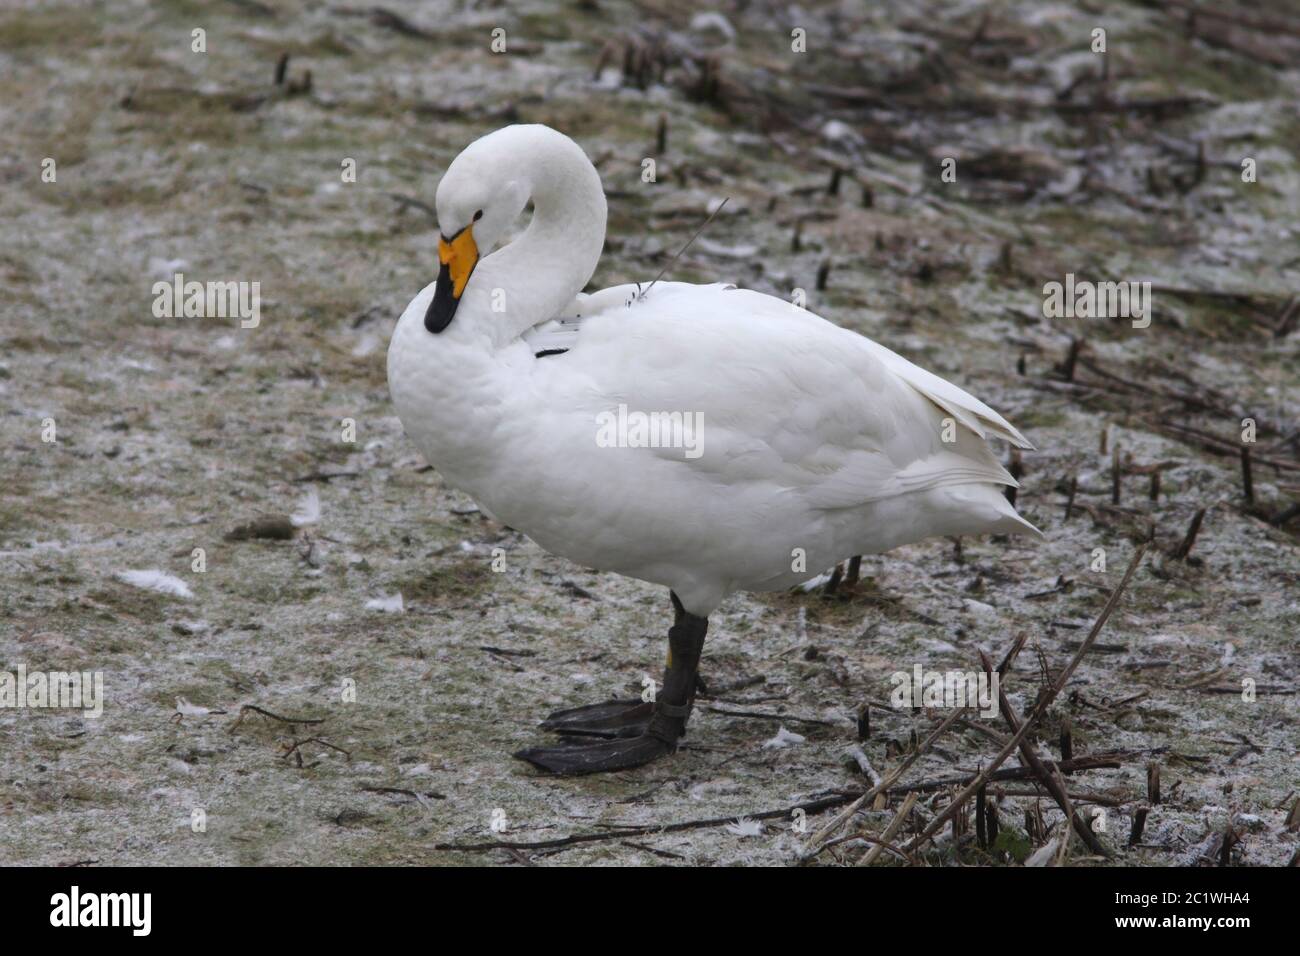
816,443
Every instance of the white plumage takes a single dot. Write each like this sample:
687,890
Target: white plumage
815,440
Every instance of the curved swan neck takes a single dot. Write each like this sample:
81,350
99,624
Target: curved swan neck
531,279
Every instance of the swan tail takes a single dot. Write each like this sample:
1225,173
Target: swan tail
984,509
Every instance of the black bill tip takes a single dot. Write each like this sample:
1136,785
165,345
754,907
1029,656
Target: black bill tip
443,307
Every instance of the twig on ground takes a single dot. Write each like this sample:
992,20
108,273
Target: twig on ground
428,795
759,715
253,708
293,749
809,807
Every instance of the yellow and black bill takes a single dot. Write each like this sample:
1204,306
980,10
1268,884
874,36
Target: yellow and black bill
457,258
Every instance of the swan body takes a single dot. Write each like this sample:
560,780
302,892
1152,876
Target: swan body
816,441
813,443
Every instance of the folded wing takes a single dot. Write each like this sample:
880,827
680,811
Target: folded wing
787,398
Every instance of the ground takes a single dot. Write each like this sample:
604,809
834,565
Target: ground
131,440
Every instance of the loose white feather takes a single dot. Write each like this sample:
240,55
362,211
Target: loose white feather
154,580
388,604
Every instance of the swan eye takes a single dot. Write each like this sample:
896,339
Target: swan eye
478,215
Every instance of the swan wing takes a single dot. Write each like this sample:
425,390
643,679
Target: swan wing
961,405
560,333
788,401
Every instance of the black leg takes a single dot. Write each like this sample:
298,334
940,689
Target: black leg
673,701
831,586
855,570
838,576
667,715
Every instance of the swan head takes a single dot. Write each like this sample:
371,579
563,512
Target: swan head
480,196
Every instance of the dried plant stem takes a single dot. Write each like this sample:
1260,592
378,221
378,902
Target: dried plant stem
815,844
1036,714
891,831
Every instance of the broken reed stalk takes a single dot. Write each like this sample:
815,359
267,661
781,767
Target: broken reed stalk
1012,653
960,826
1200,164
1052,783
1034,824
815,844
1036,714
1069,501
1246,483
991,820
1230,839
1153,783
1189,541
1063,848
1114,474
891,831
1139,823
1071,360
833,187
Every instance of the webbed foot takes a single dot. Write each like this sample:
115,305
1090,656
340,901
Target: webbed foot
618,719
599,757
639,732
